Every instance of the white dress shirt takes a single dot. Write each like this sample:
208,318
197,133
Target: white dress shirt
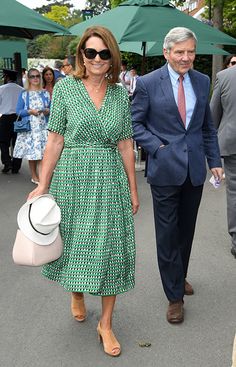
125,78
133,82
8,98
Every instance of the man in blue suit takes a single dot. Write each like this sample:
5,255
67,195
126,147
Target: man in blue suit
172,122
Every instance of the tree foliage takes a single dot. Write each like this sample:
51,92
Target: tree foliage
49,46
62,14
58,14
115,3
98,6
229,16
48,7
178,2
72,46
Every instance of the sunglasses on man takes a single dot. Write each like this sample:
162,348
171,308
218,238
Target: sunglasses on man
91,53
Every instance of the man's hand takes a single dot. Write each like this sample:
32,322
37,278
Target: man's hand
217,173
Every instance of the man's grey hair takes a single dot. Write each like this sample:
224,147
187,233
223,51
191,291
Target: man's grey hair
178,34
58,64
71,60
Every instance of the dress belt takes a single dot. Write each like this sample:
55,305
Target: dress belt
93,145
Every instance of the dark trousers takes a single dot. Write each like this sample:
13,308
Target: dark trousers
8,139
175,214
230,180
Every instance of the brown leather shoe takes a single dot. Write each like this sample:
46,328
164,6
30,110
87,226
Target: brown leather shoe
175,312
188,289
233,251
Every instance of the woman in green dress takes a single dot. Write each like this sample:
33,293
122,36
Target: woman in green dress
89,166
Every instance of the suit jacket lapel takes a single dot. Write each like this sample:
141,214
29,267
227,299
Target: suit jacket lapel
197,91
167,87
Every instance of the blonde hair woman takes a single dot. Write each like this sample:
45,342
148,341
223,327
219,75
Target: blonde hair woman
90,155
33,102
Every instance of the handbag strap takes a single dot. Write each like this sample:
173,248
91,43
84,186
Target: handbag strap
45,234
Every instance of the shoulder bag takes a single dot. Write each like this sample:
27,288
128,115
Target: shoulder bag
22,124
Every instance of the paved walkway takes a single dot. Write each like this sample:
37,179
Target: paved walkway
37,329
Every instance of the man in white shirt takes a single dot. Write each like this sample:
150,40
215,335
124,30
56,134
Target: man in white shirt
125,75
9,93
133,79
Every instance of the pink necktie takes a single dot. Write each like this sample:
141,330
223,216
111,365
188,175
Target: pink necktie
181,100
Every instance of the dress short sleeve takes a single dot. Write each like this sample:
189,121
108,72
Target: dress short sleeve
127,132
58,119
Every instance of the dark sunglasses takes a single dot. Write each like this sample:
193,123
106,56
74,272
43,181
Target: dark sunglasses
34,76
233,63
91,53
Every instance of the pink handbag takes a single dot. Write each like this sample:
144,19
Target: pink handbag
26,252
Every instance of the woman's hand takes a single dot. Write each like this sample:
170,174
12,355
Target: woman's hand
134,201
40,190
46,111
34,112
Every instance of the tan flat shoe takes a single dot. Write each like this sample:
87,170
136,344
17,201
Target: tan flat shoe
78,307
110,343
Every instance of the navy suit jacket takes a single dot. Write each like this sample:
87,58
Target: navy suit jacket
156,121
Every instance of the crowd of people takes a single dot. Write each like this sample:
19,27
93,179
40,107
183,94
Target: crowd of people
128,78
84,156
33,102
32,99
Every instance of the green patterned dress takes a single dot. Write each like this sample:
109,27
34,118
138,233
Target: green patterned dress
91,188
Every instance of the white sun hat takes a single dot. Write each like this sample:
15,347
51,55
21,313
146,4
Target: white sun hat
39,219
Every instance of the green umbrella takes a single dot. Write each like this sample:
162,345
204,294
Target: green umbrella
156,49
19,21
149,21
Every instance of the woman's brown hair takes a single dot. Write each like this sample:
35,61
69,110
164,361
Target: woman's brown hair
47,68
110,42
227,61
